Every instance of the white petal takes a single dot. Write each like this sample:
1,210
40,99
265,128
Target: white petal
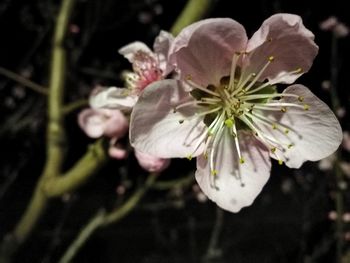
129,50
284,37
236,185
161,49
155,128
314,134
113,98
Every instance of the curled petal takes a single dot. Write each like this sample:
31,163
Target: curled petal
157,130
129,50
151,163
113,98
92,122
235,185
161,49
116,125
117,153
204,50
308,132
98,122
292,46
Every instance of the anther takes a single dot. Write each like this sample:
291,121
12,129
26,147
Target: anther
229,123
241,161
189,77
306,107
214,172
181,121
284,109
274,126
290,145
280,162
273,150
286,131
189,157
298,70
301,98
271,58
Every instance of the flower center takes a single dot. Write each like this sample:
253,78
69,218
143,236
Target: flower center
145,71
242,102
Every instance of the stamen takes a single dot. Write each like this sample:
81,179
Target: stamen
196,86
235,58
234,130
270,59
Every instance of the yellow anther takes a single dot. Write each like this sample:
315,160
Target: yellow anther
229,123
274,126
286,131
189,157
206,156
284,109
241,161
298,70
280,162
214,172
273,150
290,145
306,107
301,98
189,77
253,74
271,58
181,121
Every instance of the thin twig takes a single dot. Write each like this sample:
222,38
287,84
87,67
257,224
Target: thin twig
102,219
23,81
212,251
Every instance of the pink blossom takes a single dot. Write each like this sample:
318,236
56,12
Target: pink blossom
225,109
103,122
332,24
151,163
148,67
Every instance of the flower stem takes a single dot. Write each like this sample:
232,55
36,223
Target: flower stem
102,219
339,177
212,251
193,11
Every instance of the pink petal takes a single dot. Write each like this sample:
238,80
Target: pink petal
117,153
161,49
313,134
155,127
92,122
98,122
284,37
117,124
129,50
236,185
113,98
151,163
205,49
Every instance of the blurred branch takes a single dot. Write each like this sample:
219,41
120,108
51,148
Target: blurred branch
102,219
166,185
23,81
55,137
74,106
339,177
88,165
193,11
213,252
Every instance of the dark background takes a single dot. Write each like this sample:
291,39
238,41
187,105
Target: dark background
287,223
